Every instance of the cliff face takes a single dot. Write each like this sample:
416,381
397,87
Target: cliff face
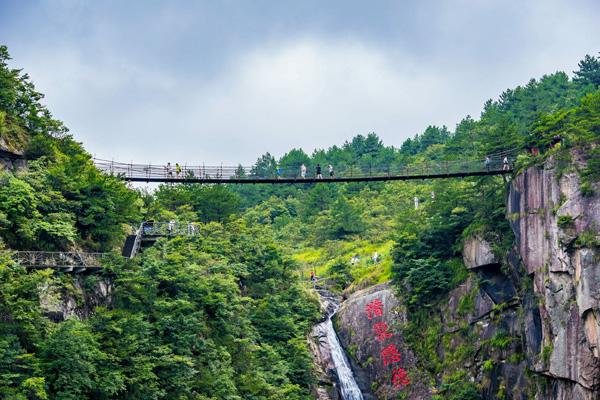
524,325
556,230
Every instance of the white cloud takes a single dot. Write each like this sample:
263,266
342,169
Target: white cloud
307,91
304,93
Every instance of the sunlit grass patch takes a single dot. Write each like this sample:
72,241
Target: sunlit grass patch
365,272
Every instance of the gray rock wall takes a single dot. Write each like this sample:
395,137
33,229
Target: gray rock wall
555,227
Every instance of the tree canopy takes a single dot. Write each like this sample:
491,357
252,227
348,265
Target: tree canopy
224,314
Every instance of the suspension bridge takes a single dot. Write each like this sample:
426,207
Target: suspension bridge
497,165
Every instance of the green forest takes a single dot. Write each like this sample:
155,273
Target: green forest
225,314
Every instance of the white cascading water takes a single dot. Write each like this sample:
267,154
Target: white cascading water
348,385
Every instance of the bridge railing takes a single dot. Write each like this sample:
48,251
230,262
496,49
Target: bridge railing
151,172
173,228
50,259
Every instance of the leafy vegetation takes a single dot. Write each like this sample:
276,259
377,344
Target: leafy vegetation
224,314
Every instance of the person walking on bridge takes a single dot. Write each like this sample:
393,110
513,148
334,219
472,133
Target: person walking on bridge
318,171
303,171
487,163
177,170
169,171
330,168
505,166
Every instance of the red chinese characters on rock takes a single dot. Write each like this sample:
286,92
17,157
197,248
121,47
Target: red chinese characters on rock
381,331
390,354
399,378
374,309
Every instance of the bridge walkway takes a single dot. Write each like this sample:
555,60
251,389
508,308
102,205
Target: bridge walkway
75,262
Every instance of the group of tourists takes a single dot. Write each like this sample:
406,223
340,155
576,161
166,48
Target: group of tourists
505,163
354,260
169,170
174,228
318,172
318,169
176,172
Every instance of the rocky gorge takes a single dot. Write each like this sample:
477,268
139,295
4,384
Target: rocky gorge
523,325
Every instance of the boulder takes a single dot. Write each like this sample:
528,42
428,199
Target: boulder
356,334
477,252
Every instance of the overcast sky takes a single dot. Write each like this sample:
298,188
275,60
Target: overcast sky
208,81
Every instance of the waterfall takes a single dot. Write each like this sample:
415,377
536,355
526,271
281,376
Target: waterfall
348,385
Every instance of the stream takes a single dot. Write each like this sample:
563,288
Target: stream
348,387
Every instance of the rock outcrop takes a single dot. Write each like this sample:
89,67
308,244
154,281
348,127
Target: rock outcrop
10,160
477,252
78,299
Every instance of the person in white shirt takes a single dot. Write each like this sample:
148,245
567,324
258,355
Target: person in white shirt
375,258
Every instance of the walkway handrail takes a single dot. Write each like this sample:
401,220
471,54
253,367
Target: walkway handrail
83,260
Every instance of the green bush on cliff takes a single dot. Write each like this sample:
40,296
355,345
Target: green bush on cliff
457,386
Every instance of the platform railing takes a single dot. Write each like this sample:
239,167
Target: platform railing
172,228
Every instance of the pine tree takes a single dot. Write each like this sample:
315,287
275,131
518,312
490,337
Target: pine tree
589,71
